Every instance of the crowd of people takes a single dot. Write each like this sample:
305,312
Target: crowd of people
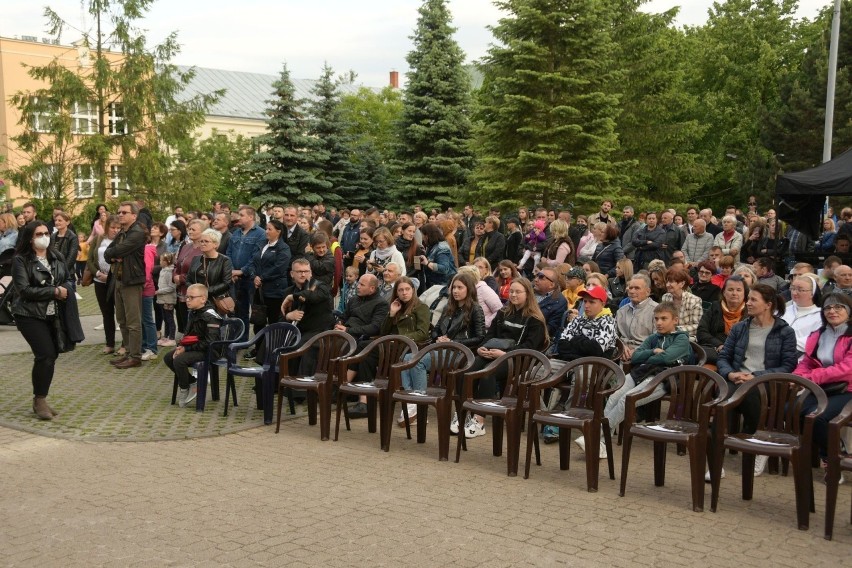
654,283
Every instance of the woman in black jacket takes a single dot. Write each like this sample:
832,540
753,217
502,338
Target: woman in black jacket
717,321
211,268
41,281
609,251
269,267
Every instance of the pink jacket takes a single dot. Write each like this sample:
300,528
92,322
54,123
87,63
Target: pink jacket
149,290
811,368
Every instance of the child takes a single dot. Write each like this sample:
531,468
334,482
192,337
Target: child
668,347
350,287
82,256
322,263
167,297
506,272
534,238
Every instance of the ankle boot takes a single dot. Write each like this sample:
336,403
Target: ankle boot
50,408
41,409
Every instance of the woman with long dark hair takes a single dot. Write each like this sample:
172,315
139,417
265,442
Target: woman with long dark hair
42,281
437,264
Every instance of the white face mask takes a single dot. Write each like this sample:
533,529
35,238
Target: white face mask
41,243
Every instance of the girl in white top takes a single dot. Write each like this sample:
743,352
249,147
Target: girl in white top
803,313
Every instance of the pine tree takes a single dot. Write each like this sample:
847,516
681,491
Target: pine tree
433,157
289,163
548,105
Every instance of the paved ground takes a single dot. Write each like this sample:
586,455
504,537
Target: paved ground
254,498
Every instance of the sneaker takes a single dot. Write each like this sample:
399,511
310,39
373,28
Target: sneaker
193,371
707,475
148,355
602,452
454,424
474,429
168,343
192,394
99,327
182,394
550,434
581,443
760,465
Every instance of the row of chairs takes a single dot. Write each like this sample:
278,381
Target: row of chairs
695,395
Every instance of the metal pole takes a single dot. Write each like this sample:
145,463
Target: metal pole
832,79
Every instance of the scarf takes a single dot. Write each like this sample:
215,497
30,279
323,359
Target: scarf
384,254
728,235
731,317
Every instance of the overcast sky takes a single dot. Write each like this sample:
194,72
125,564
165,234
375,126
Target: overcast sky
370,37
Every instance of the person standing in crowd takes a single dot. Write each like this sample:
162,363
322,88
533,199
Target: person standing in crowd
42,284
730,240
221,223
64,240
493,241
384,253
8,232
296,236
187,250
696,245
648,242
126,254
351,236
627,230
102,279
437,263
514,240
269,268
149,291
211,268
166,299
243,245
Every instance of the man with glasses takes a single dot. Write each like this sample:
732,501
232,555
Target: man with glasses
550,300
204,324
126,255
308,305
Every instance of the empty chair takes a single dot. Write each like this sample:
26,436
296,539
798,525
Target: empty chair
448,361
781,432
591,379
693,393
330,346
838,462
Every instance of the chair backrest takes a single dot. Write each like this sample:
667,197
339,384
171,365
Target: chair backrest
448,359
782,396
698,353
276,337
592,376
524,366
231,330
620,350
331,345
692,390
392,348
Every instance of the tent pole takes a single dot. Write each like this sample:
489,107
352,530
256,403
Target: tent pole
832,79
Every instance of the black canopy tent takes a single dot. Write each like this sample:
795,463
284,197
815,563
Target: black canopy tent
801,195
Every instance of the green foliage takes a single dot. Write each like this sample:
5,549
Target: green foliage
433,155
289,164
548,105
371,118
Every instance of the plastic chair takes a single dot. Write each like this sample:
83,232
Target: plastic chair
837,463
694,392
507,411
592,379
330,346
781,432
391,350
448,361
278,337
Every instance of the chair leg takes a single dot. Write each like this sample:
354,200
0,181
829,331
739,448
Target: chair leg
497,438
293,405
593,455
718,453
371,415
626,445
341,406
278,420
697,460
422,412
801,468
460,438
513,443
831,486
610,458
532,431
228,383
443,409
748,476
174,391
324,402
660,463
405,418
213,373
311,396
564,449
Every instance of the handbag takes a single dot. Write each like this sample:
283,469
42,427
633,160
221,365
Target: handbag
88,277
501,344
258,309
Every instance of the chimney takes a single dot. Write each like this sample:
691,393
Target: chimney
394,79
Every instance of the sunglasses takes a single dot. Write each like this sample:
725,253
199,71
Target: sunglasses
542,275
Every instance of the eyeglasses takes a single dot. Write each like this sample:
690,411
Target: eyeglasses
704,272
204,242
834,308
41,234
542,275
125,212
188,297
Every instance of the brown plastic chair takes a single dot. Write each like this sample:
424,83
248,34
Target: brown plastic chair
330,346
837,463
508,411
693,393
780,424
593,380
449,360
391,350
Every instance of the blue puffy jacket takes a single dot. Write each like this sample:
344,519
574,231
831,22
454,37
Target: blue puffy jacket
780,354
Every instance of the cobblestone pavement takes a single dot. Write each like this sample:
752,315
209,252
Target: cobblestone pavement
254,498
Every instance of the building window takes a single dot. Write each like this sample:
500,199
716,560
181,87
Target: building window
45,181
43,112
118,180
85,180
117,123
84,118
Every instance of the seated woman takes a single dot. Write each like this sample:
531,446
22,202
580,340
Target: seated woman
657,274
688,304
519,325
485,273
717,321
617,285
828,359
748,274
762,343
488,298
802,312
506,272
462,322
704,288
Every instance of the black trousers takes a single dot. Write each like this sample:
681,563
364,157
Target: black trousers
181,314
41,336
181,365
106,302
487,387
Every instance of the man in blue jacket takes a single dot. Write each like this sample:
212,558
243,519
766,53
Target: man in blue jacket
244,243
552,303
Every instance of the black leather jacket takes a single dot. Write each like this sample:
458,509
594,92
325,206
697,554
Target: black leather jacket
203,324
215,274
129,247
68,247
35,286
454,328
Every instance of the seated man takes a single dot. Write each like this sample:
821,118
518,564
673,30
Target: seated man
550,299
308,305
202,328
634,321
668,347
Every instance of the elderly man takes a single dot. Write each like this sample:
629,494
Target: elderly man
673,239
126,255
550,300
712,228
843,279
691,216
696,247
634,321
221,223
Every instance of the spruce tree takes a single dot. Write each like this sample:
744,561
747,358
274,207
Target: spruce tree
289,162
434,158
548,105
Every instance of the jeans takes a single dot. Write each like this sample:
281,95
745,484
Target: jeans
243,294
149,330
128,305
41,337
614,410
107,306
416,378
168,323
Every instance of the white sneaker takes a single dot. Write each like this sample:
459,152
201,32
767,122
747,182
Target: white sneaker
454,423
193,371
581,443
148,355
707,475
760,465
602,453
99,327
192,394
182,394
474,429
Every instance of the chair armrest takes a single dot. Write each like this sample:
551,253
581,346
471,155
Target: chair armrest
842,419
